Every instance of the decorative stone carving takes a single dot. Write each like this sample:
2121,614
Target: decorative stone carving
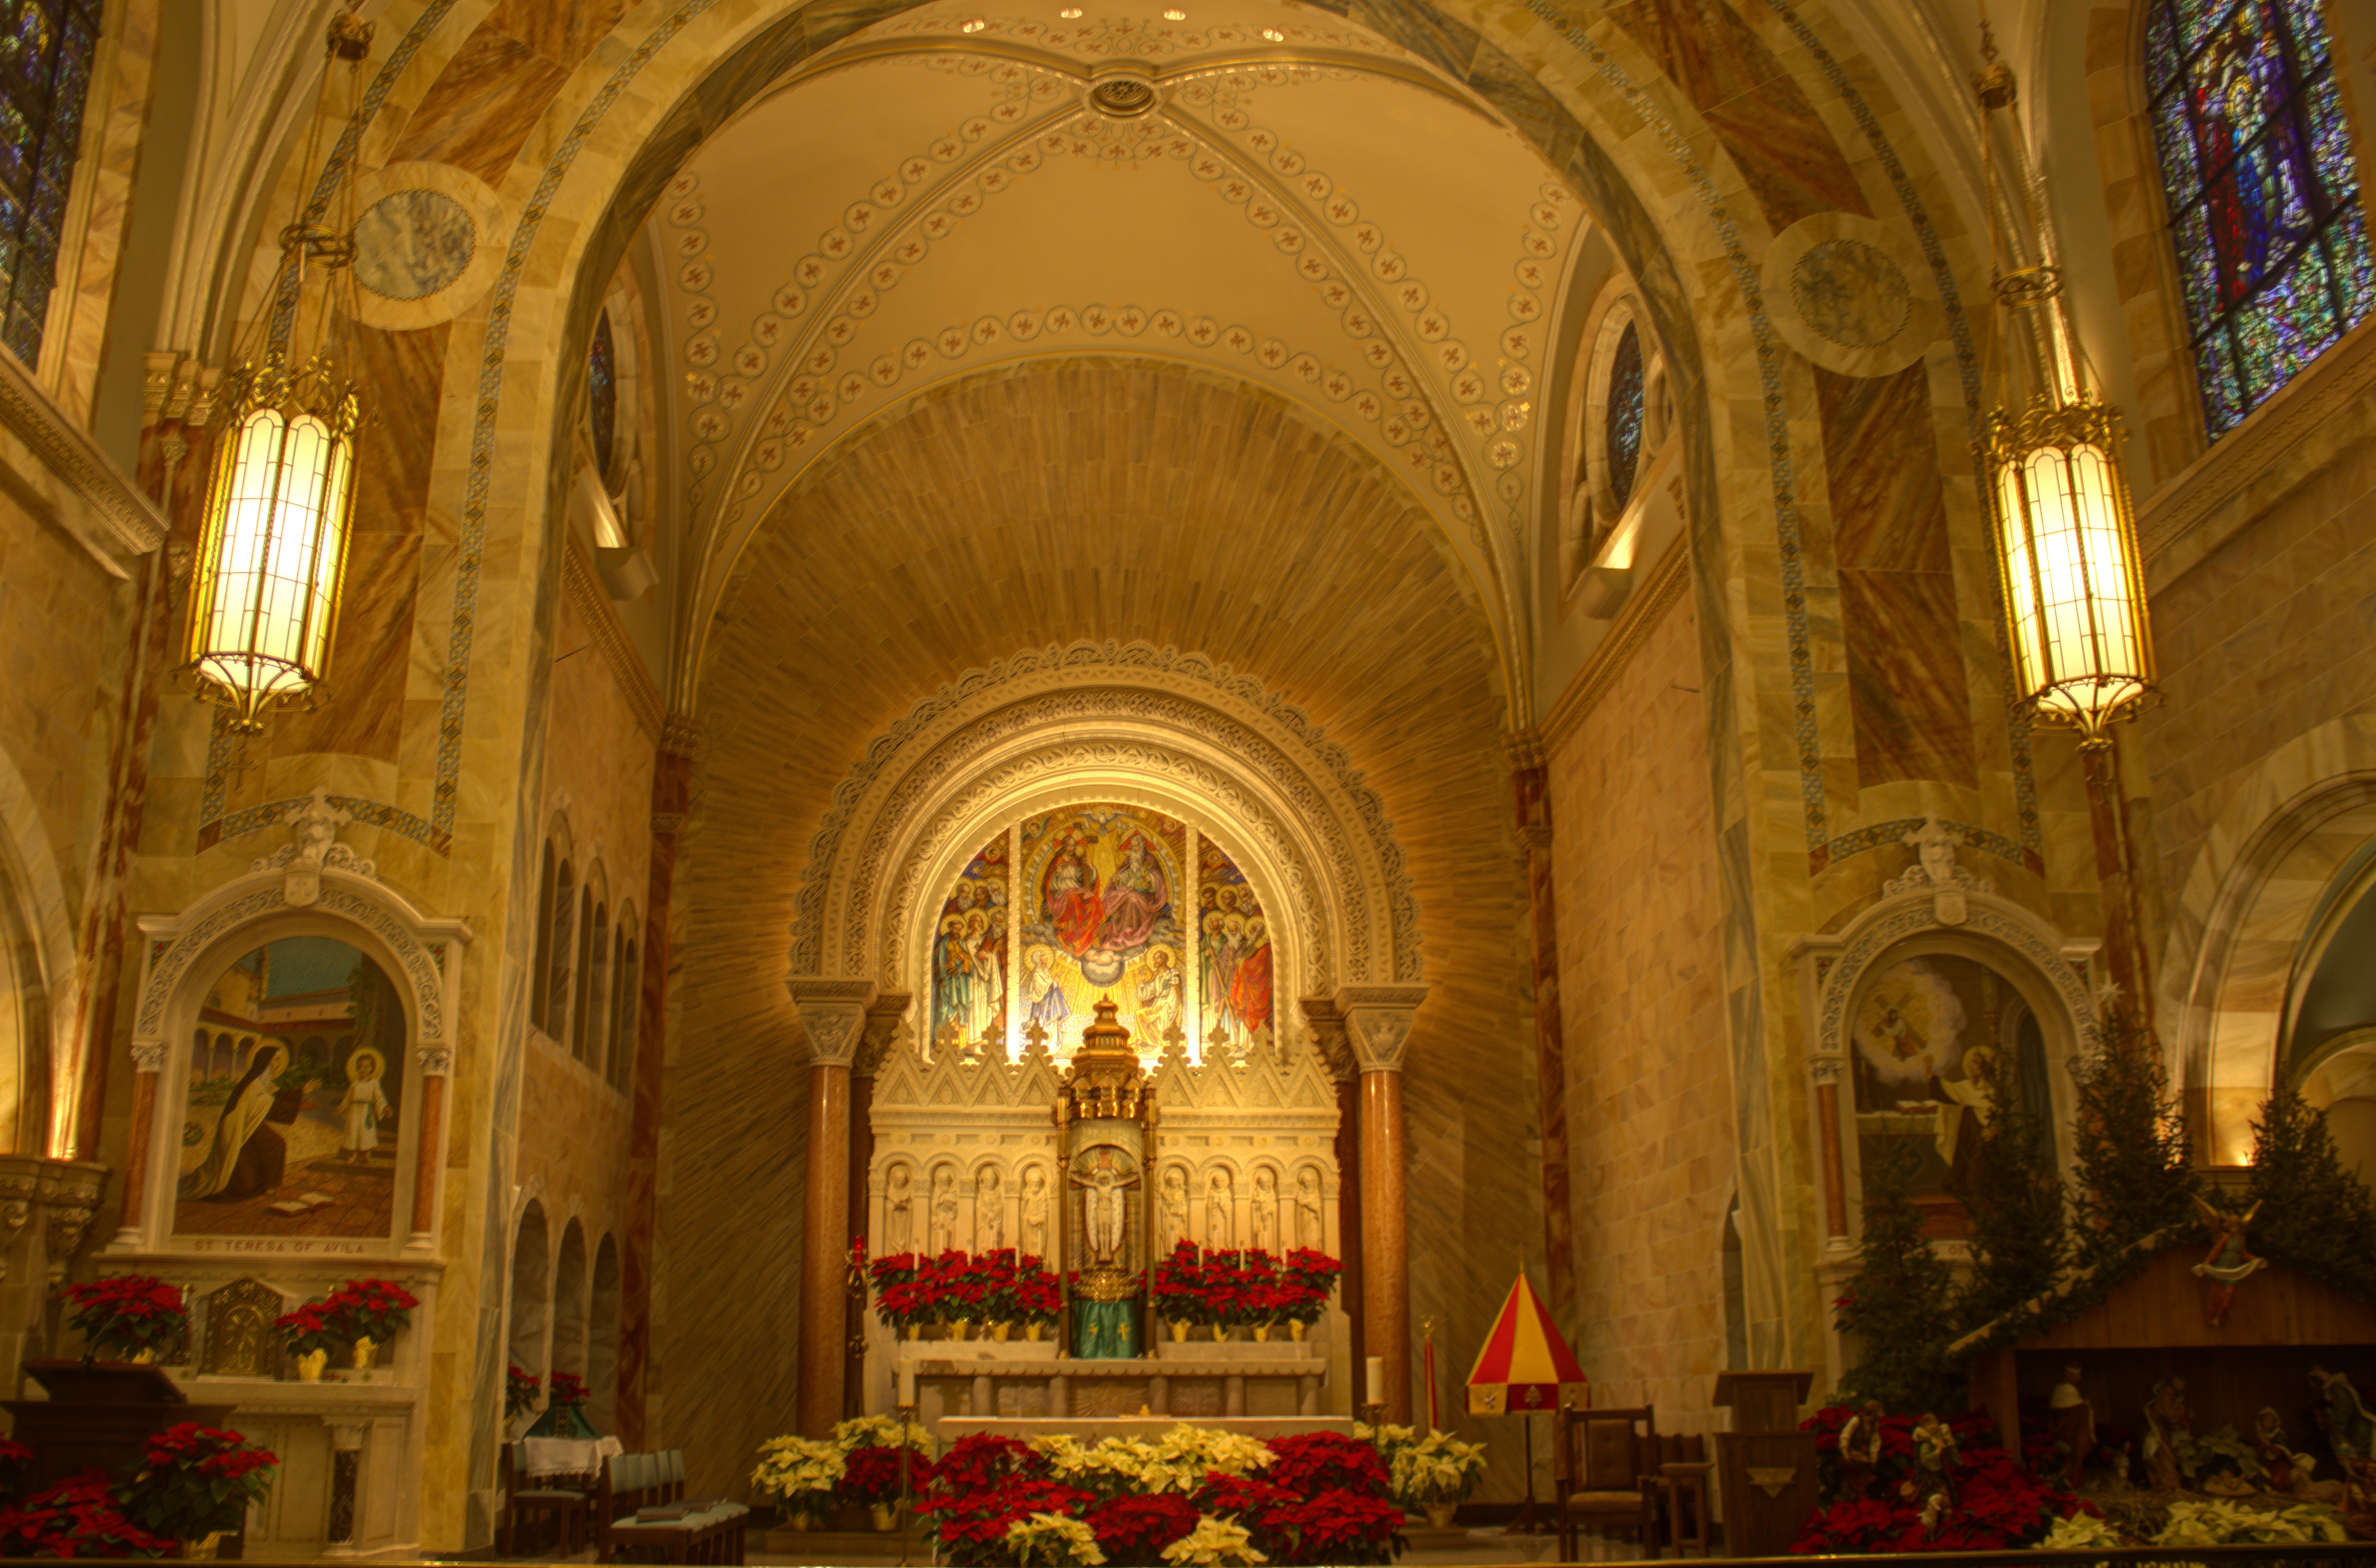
834,1014
436,1061
314,844
1935,869
148,1056
1328,1036
1378,1020
71,1194
884,1017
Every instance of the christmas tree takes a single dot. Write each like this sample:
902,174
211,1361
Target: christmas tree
2134,1172
1897,1304
2013,1201
2312,1212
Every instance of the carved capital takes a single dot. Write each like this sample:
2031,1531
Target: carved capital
347,1436
1328,1036
1525,749
1826,1069
680,733
833,1014
148,1055
1378,1020
884,1015
1535,836
436,1061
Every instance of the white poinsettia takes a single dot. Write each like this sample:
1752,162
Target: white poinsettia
880,1432
1214,1543
791,1467
1438,1467
1196,1451
1056,1540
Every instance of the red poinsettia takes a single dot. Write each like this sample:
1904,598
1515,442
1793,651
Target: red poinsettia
1998,1504
77,1517
1321,1461
128,1313
1134,1530
872,1475
195,1480
307,1329
568,1388
373,1309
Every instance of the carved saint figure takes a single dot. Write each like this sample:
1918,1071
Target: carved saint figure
2288,1471
944,1209
1936,847
1220,1225
2166,1420
1860,1451
1174,1202
2350,1429
1033,1226
2229,1263
898,1212
1935,1454
2074,1425
1309,1229
988,1212
1264,1210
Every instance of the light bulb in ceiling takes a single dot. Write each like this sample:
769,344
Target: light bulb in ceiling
1070,13
974,26
1174,14
1275,35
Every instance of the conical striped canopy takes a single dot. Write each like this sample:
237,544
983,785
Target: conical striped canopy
1524,1361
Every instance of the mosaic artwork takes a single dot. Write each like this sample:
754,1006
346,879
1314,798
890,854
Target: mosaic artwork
2264,195
295,1085
1102,882
970,956
1233,959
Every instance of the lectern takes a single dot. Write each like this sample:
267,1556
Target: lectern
1765,1466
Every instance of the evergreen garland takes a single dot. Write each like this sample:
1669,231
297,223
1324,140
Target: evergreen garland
1897,1303
2135,1172
2314,1214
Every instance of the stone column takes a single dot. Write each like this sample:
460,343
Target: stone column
1378,1025
436,1065
882,1027
147,1063
833,1014
1328,1036
1826,1071
346,1478
2120,879
1530,783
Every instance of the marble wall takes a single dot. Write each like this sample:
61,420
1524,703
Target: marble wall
1649,1077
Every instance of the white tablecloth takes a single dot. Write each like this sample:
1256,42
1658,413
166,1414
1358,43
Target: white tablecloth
568,1455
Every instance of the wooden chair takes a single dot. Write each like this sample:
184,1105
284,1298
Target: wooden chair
560,1506
1607,1470
1683,1470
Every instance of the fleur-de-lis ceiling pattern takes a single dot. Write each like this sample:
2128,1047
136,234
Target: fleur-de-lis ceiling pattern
951,191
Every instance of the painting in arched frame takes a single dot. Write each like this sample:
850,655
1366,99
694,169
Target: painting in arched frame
291,1119
2263,191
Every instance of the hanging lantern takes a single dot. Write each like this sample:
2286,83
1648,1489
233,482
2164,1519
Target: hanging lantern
272,545
2067,557
2067,551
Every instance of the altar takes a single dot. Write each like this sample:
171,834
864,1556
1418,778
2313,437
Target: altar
1145,1429
958,1387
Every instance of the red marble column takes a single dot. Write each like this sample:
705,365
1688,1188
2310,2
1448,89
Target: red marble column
671,788
148,1060
1351,1284
1530,783
854,1221
833,1015
1386,1241
427,1158
1827,1132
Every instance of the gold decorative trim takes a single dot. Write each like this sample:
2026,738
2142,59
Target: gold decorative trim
115,521
602,623
1641,616
2285,424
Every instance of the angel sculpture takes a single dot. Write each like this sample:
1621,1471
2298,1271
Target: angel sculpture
2229,1264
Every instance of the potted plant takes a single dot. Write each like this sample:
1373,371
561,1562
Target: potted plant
195,1485
522,1389
1312,1276
127,1317
800,1474
309,1333
369,1312
1038,1296
1182,1297
1433,1474
941,1287
994,1273
77,1517
873,1476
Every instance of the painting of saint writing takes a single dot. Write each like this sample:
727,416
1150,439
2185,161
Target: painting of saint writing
294,1092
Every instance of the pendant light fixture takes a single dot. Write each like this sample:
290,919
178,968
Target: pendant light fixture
272,547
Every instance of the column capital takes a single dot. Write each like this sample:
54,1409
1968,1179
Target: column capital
833,1014
1523,749
148,1055
884,1017
1378,1022
1327,1026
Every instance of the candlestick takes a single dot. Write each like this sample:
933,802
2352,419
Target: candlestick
907,1388
1375,1380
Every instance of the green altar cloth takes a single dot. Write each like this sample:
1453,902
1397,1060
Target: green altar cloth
1103,1330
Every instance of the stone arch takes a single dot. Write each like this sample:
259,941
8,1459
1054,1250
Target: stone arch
1188,736
531,1292
602,1337
2292,822
569,1301
39,1050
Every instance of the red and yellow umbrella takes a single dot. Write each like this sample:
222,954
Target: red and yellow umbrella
1524,1361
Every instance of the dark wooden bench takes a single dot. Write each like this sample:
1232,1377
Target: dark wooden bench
633,1482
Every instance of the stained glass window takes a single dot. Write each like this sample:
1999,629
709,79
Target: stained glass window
2264,196
45,51
1624,415
602,390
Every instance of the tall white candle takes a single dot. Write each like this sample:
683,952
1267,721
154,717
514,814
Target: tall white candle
907,1389
1376,1369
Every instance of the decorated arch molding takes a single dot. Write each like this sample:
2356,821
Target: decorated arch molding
1152,726
321,887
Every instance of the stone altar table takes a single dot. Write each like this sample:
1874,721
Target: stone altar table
1209,1384
1093,1428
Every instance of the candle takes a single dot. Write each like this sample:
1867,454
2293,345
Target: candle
907,1388
1377,1379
